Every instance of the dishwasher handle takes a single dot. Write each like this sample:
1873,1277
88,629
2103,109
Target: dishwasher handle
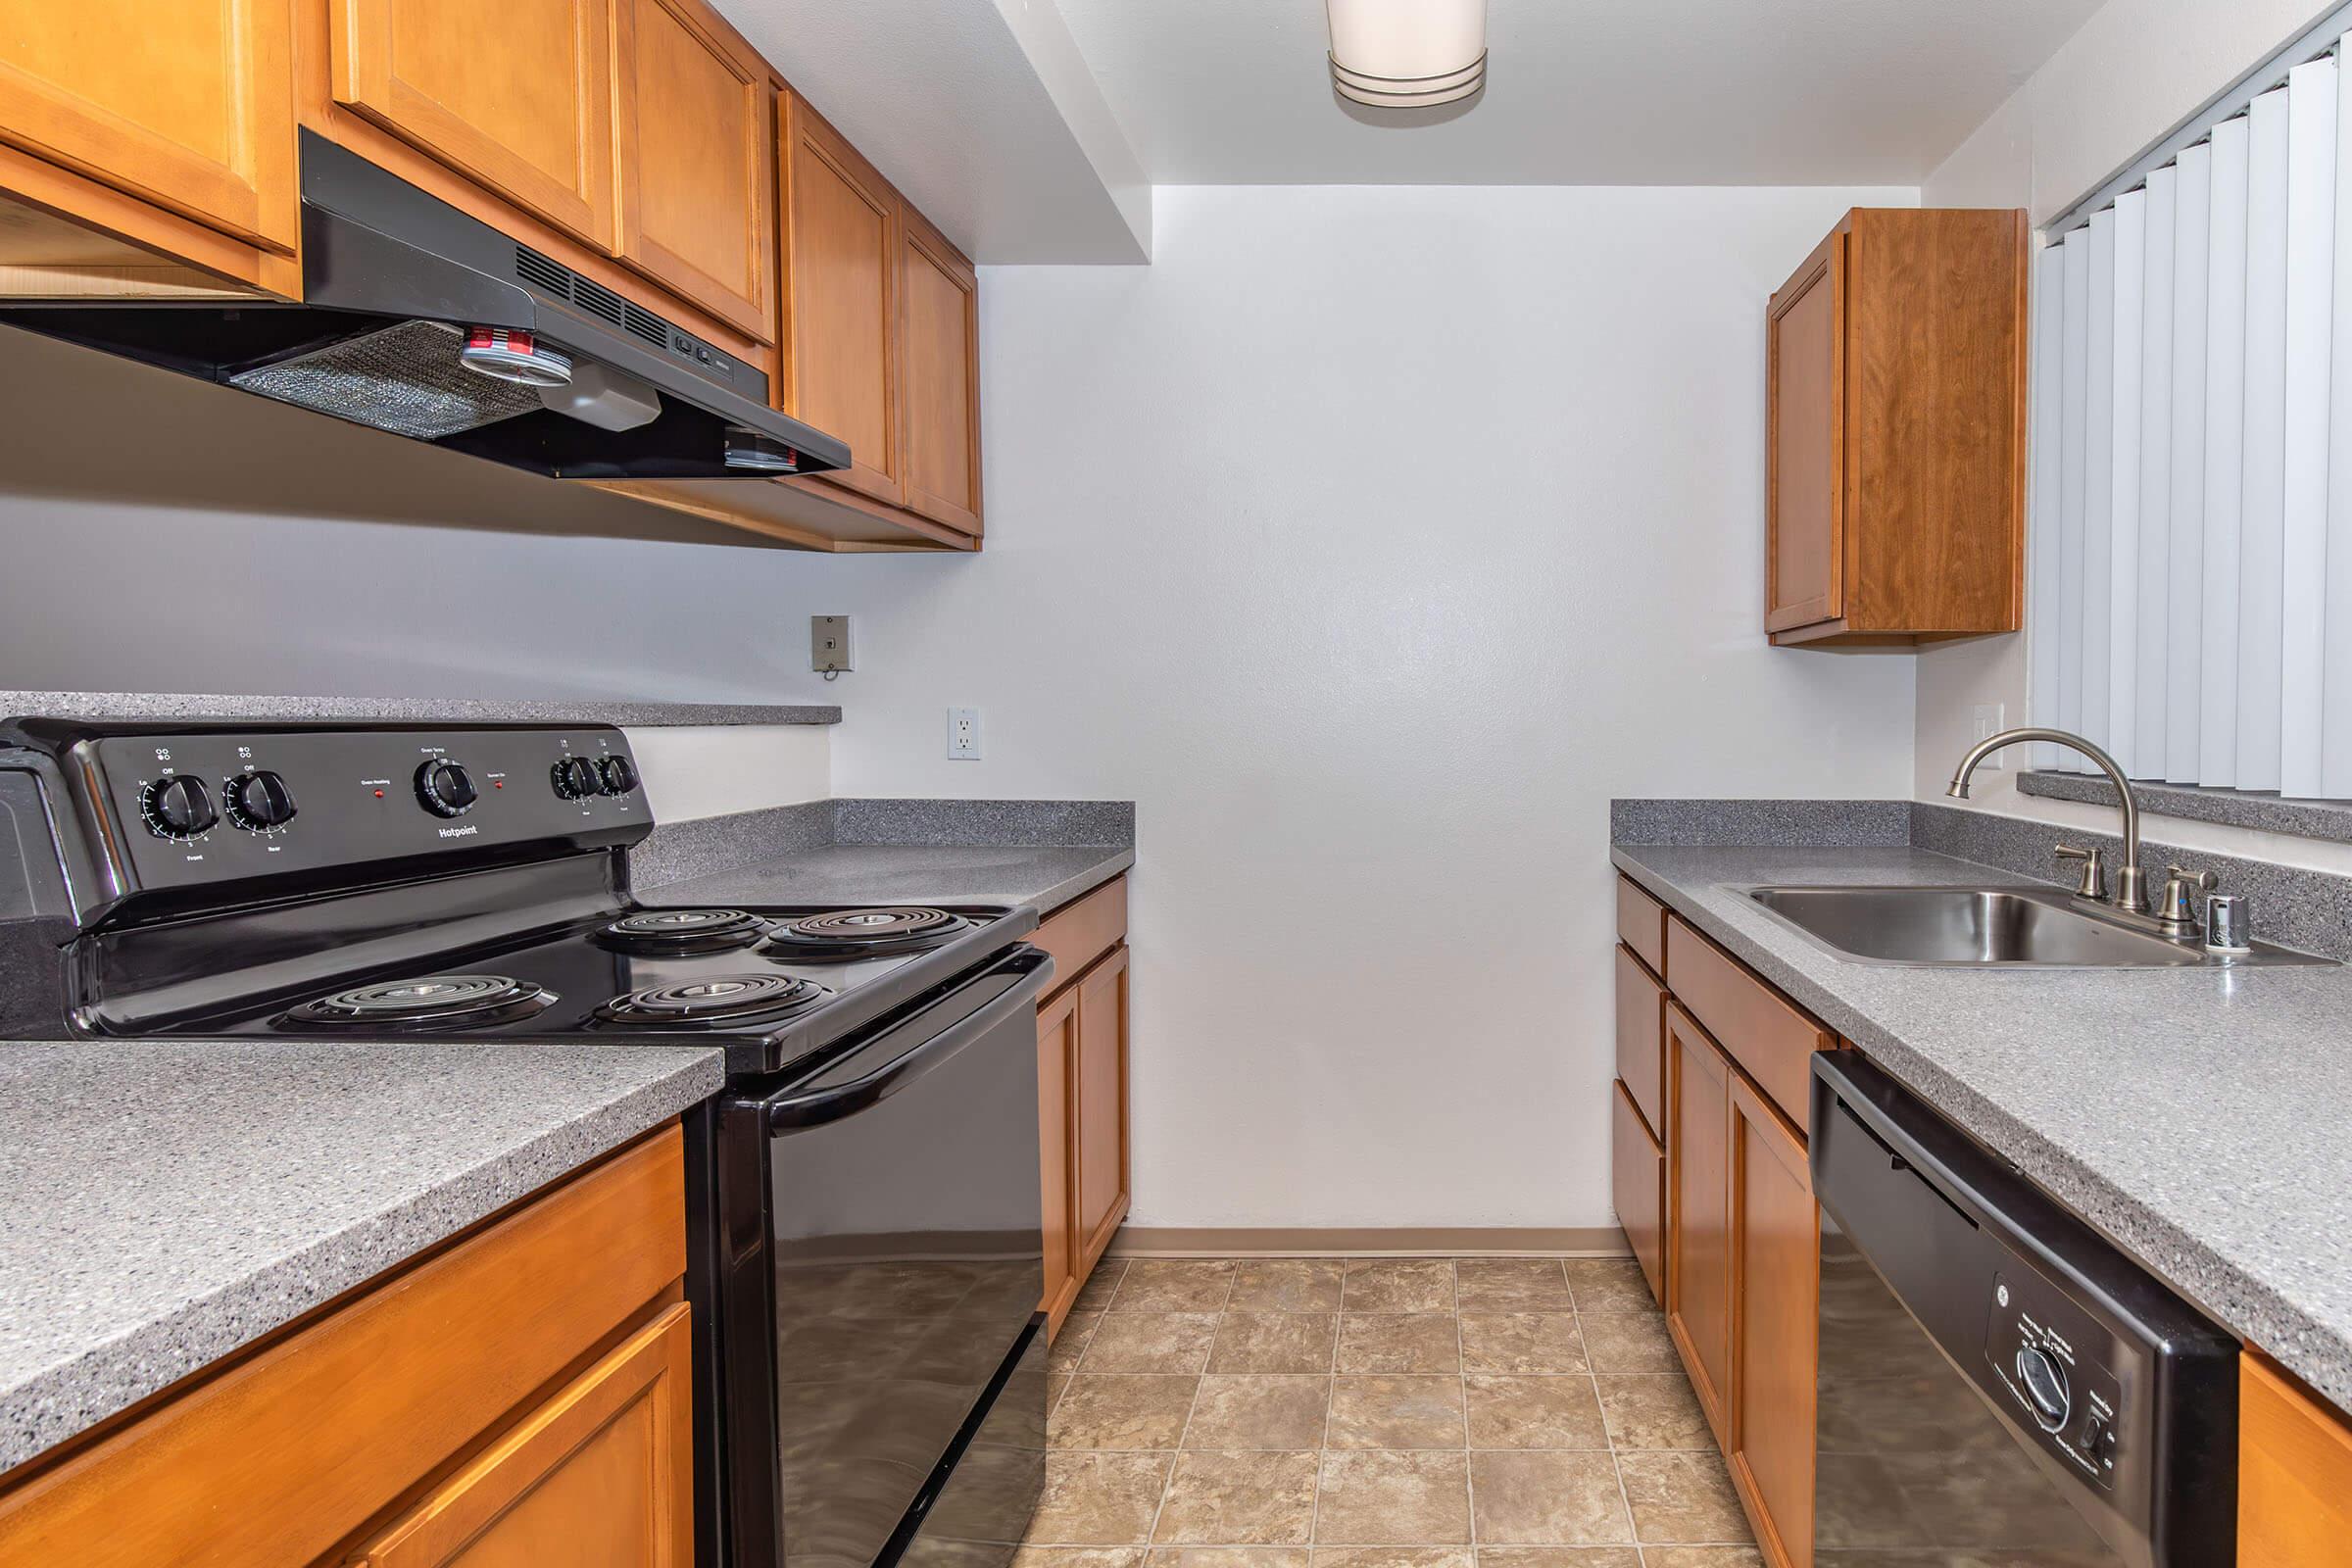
829,1099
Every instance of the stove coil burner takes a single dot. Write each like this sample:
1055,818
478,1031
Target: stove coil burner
719,1002
665,931
855,933
435,1001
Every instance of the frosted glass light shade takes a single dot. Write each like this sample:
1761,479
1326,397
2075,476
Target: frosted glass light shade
1407,53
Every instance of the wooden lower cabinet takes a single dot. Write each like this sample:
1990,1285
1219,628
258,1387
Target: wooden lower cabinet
1638,1180
603,1473
1057,1072
1082,1073
520,1397
2294,1481
1740,1253
1775,1297
1698,1214
1100,1155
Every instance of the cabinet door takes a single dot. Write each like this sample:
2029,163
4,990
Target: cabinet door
1100,1100
1698,1196
1637,1168
1776,1273
938,375
2294,1483
1057,1071
696,133
841,314
517,95
602,1474
189,106
1806,522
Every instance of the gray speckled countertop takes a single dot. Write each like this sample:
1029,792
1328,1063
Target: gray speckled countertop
1046,876
2202,1118
169,706
169,1203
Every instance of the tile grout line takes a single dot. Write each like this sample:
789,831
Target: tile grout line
1461,1373
1167,1482
1616,1465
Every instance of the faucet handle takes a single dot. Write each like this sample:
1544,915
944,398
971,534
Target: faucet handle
2178,908
2094,870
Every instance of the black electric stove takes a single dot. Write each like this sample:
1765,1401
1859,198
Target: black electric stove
865,1216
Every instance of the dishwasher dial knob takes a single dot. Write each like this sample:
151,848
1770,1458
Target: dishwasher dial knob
178,806
258,800
617,776
444,789
574,777
2044,1383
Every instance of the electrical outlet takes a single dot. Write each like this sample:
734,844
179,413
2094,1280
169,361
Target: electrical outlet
829,644
963,734
1985,724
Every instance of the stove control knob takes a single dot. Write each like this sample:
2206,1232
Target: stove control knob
617,775
574,777
258,800
444,789
178,806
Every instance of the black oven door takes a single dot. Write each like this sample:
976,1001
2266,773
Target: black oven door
882,1266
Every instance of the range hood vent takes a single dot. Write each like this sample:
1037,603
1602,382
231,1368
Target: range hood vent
395,284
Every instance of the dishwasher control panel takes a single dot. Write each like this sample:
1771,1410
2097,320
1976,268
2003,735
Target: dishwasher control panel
2039,1348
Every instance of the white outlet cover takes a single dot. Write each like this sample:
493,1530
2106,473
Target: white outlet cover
963,735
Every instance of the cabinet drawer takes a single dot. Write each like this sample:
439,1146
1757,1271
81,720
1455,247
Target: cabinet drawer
1079,933
288,1452
1768,1037
1642,924
1642,1039
1638,1166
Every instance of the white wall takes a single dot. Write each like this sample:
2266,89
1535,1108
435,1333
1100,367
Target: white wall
2137,68
1372,539
161,535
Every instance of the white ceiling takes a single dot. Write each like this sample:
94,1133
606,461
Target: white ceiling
1609,92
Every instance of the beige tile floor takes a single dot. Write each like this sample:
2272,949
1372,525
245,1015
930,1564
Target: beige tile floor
1377,1413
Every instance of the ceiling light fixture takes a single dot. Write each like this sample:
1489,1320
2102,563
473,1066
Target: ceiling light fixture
1407,53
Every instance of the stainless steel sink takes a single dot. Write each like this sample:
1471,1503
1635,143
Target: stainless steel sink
1986,928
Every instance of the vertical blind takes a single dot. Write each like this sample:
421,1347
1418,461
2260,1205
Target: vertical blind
2191,470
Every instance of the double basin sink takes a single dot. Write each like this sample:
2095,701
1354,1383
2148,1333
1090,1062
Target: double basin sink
1964,928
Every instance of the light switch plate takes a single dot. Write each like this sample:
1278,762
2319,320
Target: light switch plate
829,643
1984,722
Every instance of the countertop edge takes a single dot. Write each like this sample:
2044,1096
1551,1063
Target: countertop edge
152,707
69,1397
2246,1305
1114,863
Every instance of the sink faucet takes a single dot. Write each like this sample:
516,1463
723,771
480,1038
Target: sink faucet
2131,886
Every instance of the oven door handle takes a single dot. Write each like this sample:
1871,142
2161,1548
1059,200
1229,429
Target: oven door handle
1032,969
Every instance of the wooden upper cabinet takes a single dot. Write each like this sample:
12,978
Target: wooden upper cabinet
1807,353
601,1473
939,370
697,212
517,95
187,106
1896,370
841,327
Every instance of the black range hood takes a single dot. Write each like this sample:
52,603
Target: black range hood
420,320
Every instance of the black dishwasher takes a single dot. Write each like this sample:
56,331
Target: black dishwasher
1998,1383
